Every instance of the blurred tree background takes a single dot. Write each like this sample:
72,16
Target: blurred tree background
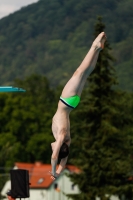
102,146
52,36
40,47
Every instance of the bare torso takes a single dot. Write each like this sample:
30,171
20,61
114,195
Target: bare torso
61,122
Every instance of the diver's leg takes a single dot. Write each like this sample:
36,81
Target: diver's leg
76,83
83,81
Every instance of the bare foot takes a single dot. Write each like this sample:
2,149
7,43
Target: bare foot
98,43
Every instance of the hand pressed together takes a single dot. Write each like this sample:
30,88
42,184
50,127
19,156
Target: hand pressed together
53,177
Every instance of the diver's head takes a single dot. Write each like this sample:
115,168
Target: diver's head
64,151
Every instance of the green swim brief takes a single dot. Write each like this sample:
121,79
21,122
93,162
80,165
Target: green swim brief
71,102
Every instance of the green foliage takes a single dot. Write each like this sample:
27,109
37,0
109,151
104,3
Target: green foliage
102,140
51,37
26,121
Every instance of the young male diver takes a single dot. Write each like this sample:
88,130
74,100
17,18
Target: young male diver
69,99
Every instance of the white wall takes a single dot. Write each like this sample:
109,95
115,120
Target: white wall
38,194
6,188
63,183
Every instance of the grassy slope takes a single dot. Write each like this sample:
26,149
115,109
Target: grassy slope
52,37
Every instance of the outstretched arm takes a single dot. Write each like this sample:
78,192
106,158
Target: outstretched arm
60,168
54,157
63,161
55,173
62,165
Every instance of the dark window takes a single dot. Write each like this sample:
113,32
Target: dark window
55,186
72,186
